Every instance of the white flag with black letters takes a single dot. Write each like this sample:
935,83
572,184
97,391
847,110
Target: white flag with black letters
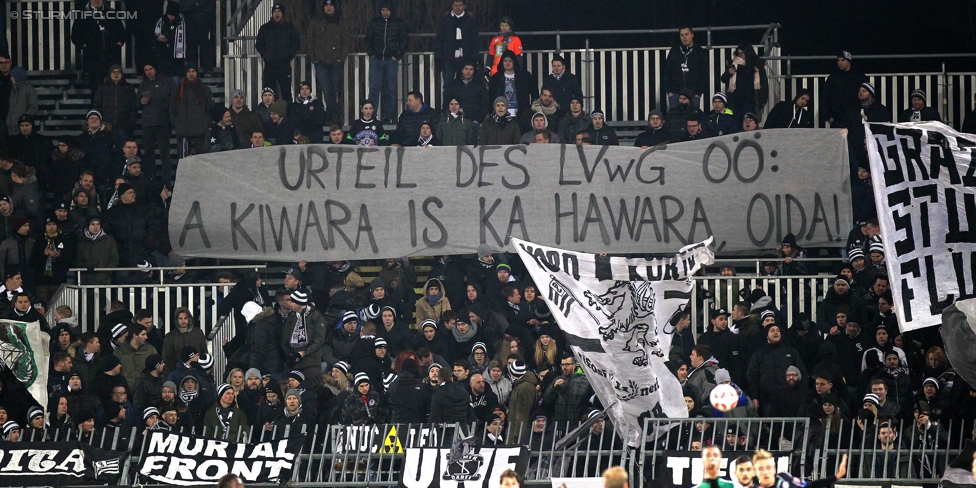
616,315
924,178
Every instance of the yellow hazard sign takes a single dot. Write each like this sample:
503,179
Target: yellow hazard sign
391,444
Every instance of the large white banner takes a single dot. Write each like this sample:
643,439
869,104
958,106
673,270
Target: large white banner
617,316
333,202
924,176
24,348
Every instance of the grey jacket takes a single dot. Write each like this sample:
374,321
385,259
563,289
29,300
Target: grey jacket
316,332
100,253
23,100
160,91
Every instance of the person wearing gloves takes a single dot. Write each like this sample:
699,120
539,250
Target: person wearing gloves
226,421
303,336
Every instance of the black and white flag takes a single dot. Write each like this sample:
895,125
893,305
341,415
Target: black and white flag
58,463
924,177
616,314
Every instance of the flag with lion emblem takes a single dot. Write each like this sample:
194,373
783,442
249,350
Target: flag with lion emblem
618,317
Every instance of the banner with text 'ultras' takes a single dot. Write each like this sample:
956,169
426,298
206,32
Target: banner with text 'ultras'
335,202
924,178
618,316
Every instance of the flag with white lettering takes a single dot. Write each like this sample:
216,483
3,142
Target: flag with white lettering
475,467
924,177
179,459
616,314
58,464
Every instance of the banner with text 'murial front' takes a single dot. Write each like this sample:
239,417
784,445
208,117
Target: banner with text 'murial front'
924,178
178,459
618,316
335,202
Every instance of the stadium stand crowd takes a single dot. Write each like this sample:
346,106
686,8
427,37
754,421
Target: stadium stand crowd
478,345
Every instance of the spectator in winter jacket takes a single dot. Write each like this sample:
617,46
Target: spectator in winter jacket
308,113
280,127
720,121
26,197
547,105
500,127
456,41
565,85
450,401
189,113
226,421
386,43
569,393
303,336
522,402
686,68
170,34
243,118
516,85
795,114
678,114
701,378
724,345
840,295
694,130
539,123
136,230
14,253
100,35
767,369
602,134
499,382
101,151
575,121
116,101
222,135
433,303
365,406
505,40
840,91
917,112
34,150
327,44
51,257
96,249
278,43
23,99
156,94
455,129
133,353
656,133
185,334
409,397
747,86
470,91
416,113
148,388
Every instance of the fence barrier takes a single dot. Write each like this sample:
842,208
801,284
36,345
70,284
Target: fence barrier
375,455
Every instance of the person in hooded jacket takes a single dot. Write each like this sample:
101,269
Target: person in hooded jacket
455,129
375,365
222,134
433,303
15,257
523,401
308,113
96,249
263,335
516,85
767,369
539,122
67,163
470,92
80,397
270,409
116,101
409,397
185,334
33,149
791,115
148,388
575,121
386,43
657,131
396,333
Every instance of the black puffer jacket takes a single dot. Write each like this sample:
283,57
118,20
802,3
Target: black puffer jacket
103,158
449,403
408,126
386,38
767,370
117,103
472,96
263,335
278,42
223,138
409,399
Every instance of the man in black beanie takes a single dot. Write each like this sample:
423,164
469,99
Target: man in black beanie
278,42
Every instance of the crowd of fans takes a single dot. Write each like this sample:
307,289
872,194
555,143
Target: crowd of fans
479,345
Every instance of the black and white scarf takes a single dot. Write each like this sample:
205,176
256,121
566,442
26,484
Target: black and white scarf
188,396
424,141
299,336
223,417
290,414
92,237
179,44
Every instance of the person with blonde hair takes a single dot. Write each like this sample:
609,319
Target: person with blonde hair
615,477
765,466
